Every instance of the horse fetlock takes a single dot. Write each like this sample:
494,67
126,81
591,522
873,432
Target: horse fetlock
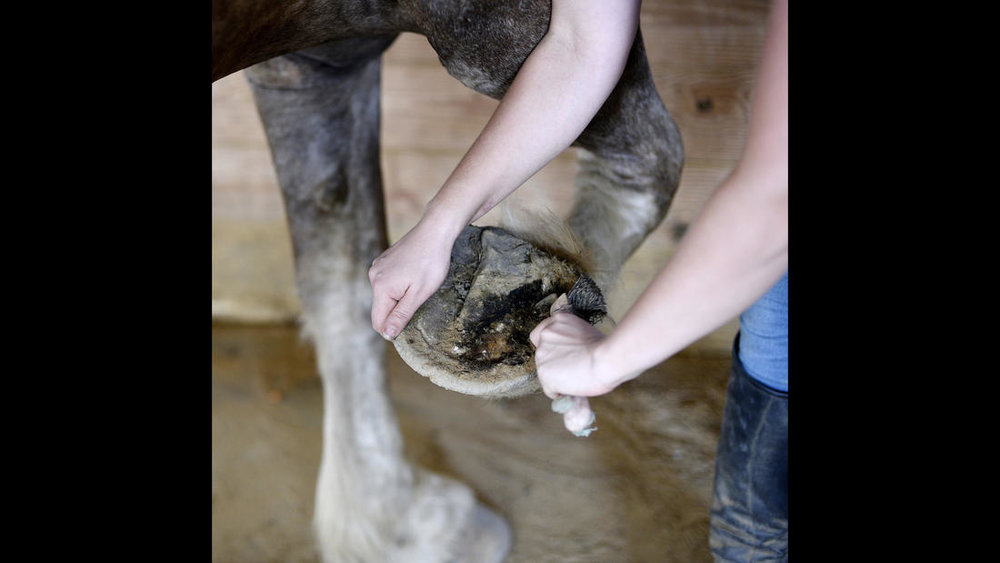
444,523
429,520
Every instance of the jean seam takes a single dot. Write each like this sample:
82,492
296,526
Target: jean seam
751,472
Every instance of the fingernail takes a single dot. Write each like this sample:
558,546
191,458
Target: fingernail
390,333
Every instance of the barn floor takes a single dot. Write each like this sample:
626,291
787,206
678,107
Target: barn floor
638,489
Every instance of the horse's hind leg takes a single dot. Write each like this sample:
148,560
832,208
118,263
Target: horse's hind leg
629,169
320,110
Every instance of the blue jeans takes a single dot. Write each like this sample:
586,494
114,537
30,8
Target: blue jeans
764,337
749,516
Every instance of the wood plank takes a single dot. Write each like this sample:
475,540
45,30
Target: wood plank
703,56
235,122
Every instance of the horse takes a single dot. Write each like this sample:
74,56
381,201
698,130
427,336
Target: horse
314,70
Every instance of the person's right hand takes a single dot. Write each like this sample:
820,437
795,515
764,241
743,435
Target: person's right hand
565,359
406,274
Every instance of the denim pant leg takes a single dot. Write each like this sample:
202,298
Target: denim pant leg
749,517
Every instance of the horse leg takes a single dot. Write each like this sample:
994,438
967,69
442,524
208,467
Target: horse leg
630,166
320,111
632,153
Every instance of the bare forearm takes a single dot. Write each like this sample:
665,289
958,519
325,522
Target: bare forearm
734,251
554,96
556,93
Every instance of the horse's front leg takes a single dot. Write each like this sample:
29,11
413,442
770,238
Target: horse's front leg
320,110
630,167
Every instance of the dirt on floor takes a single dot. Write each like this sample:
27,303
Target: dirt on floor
638,489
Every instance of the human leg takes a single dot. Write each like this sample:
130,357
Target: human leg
749,514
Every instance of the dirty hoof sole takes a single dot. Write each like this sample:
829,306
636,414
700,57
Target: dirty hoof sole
472,335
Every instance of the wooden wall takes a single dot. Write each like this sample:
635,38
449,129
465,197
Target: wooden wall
703,55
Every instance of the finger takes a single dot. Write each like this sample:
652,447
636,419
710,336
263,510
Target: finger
558,318
542,355
550,394
384,300
560,304
536,333
400,315
382,305
553,331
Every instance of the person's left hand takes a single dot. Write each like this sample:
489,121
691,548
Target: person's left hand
406,274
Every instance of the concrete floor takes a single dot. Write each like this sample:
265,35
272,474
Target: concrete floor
638,489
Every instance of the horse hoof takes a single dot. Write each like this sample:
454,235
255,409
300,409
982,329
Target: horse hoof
486,539
471,336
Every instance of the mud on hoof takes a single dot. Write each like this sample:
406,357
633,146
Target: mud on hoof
472,335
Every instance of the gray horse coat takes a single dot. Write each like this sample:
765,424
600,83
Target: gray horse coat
314,68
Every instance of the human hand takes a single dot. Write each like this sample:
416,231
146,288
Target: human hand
565,351
406,275
565,357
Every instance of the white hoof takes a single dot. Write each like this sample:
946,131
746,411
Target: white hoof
445,524
486,539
